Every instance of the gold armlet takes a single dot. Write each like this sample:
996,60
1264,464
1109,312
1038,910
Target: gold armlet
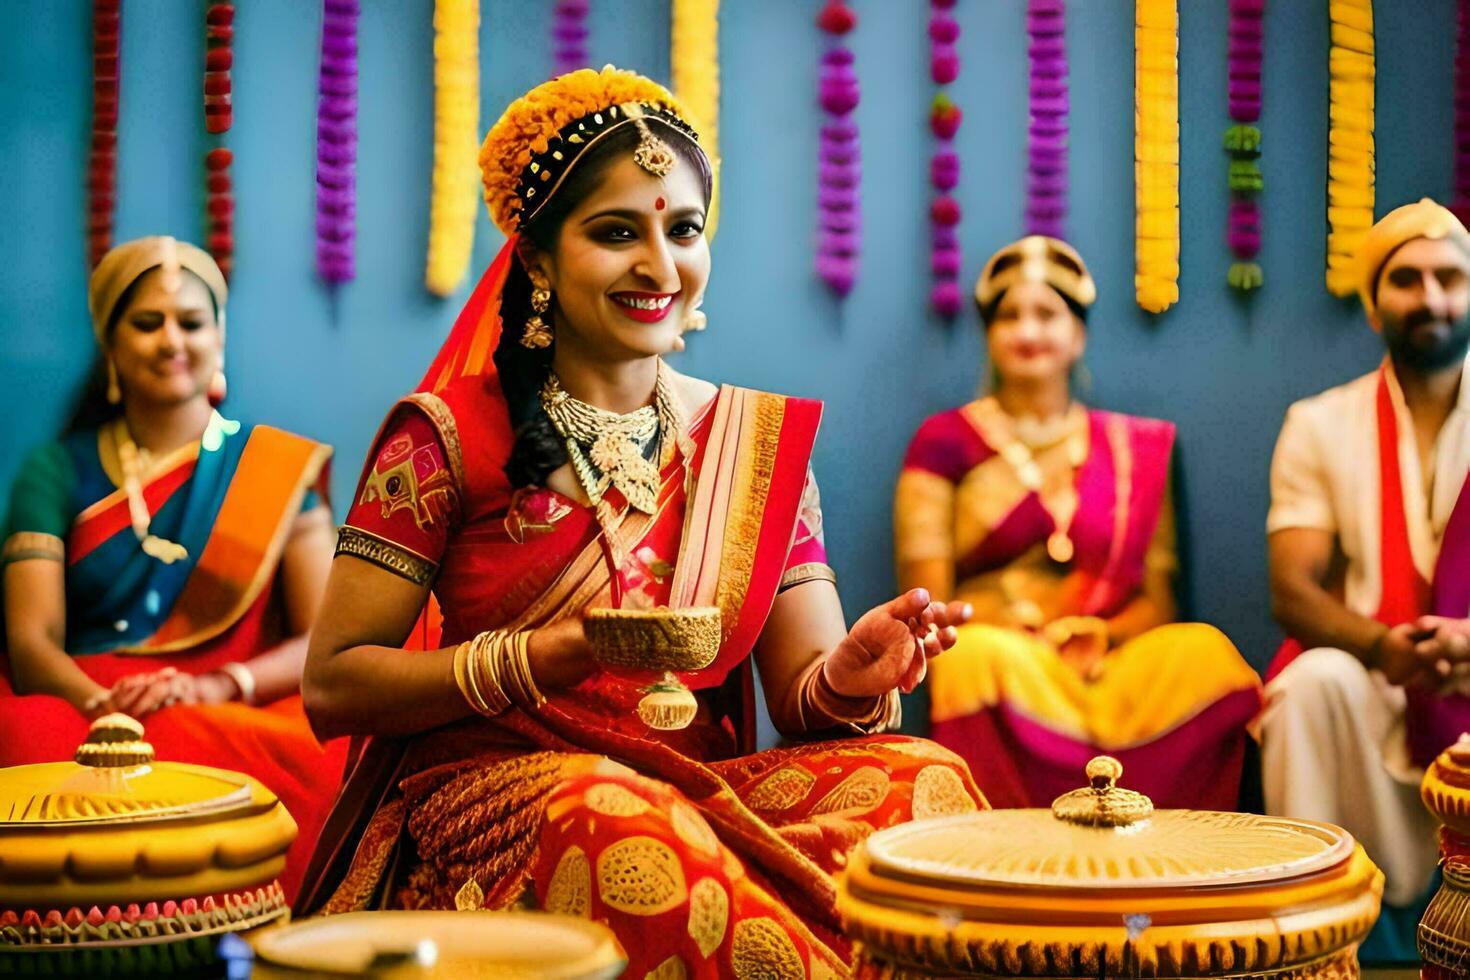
25,545
812,571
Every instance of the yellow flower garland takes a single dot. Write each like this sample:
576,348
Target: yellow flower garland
452,203
694,55
1350,140
1156,153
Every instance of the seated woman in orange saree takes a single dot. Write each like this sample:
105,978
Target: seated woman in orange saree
1054,520
612,793
165,561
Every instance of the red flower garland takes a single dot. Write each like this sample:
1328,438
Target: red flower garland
102,159
840,170
945,257
219,206
1243,142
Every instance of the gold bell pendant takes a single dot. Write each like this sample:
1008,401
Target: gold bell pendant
667,704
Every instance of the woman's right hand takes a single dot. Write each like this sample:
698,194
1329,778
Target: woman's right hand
560,655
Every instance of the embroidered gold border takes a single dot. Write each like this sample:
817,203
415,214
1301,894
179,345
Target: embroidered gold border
25,545
385,554
812,571
748,504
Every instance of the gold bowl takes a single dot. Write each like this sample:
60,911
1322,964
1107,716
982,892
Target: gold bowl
678,640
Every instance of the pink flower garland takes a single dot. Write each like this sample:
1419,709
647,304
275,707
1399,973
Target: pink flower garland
1461,201
1243,142
219,205
945,257
569,36
839,162
1046,143
102,159
336,143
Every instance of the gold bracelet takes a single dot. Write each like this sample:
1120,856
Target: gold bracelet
817,697
485,656
521,652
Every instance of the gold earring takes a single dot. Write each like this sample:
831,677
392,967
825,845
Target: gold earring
114,393
537,334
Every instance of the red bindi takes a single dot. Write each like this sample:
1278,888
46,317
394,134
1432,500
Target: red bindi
658,205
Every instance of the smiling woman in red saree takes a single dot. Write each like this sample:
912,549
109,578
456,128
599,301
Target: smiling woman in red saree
581,791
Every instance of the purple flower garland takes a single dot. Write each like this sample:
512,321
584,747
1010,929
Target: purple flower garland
1046,144
1243,143
569,36
945,257
336,143
839,163
1461,201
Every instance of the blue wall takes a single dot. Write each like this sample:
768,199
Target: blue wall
328,365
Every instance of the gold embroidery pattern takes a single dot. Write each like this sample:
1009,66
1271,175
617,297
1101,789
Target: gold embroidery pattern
939,792
409,477
709,915
692,829
23,545
612,800
385,554
781,790
640,876
570,890
763,951
812,571
670,969
860,792
748,507
443,421
921,748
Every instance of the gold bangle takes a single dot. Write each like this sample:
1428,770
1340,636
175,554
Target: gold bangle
818,698
521,652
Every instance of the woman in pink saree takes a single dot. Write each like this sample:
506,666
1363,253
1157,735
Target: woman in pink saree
1055,522
552,464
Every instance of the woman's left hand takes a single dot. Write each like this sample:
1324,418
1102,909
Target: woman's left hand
890,646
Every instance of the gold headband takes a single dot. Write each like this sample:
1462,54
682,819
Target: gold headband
1036,258
127,263
1424,218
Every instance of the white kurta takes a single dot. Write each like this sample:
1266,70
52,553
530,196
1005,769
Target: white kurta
1332,735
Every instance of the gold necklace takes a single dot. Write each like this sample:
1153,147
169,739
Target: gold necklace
1059,501
606,449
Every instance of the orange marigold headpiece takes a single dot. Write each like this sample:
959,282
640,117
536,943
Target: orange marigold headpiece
541,135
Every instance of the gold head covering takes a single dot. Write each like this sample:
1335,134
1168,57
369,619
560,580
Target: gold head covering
1036,258
125,263
542,135
1425,218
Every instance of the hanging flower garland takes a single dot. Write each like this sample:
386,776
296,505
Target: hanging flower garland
336,143
568,36
1461,200
945,257
1156,153
1350,140
695,59
1046,172
453,201
839,163
1243,142
102,158
219,206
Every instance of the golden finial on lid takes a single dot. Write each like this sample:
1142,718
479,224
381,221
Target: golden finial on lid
115,740
1102,803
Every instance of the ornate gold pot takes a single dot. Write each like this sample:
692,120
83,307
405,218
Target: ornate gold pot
1103,885
115,863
